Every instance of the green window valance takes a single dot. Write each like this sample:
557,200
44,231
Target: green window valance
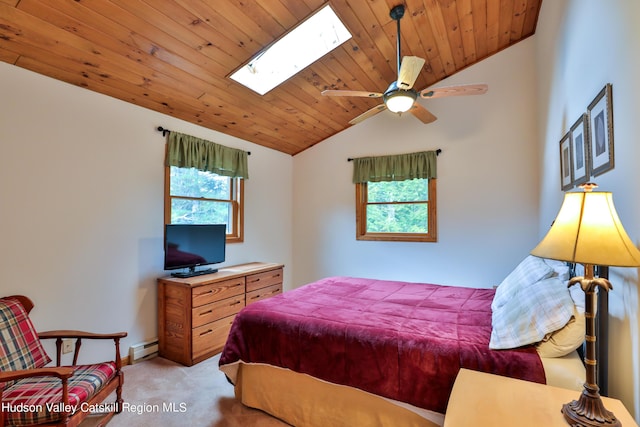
398,167
188,151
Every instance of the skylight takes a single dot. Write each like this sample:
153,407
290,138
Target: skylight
305,44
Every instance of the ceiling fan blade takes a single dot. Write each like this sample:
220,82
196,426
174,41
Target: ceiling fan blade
441,92
360,93
422,113
409,71
372,112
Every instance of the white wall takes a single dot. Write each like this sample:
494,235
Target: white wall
581,46
487,184
81,190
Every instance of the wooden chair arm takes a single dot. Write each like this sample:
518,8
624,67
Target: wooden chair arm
79,334
59,335
63,373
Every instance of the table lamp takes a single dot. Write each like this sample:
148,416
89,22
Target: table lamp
588,231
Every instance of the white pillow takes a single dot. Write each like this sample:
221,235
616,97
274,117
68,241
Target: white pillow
563,272
565,340
533,312
529,271
577,295
560,268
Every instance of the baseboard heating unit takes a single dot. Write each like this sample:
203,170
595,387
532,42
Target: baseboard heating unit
143,351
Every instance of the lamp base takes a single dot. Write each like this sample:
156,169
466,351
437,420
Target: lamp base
589,411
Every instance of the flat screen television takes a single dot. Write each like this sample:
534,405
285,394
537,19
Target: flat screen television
187,246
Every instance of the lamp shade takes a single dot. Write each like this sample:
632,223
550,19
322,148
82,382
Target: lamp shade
588,230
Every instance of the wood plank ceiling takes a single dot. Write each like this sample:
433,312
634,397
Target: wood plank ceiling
175,56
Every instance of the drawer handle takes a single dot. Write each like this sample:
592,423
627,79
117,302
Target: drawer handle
206,332
256,296
206,312
235,303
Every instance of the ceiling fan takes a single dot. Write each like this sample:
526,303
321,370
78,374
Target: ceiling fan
400,97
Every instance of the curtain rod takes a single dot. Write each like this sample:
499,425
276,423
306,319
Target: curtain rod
166,131
163,130
350,159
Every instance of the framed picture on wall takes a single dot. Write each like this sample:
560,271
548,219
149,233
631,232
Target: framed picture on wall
580,150
566,175
600,114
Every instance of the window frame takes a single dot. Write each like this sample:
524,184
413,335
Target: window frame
236,198
361,218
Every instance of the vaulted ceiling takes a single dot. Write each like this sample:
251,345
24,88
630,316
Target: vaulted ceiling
175,56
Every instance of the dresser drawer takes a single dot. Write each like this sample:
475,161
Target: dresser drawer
210,337
263,293
262,280
207,294
217,310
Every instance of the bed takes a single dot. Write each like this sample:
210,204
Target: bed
347,351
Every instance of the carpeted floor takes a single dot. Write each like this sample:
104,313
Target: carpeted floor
159,392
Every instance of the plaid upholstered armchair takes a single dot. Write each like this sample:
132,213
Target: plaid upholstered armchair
32,393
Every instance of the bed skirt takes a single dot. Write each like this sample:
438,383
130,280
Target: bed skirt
319,403
304,401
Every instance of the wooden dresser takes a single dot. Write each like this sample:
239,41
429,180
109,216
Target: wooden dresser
195,314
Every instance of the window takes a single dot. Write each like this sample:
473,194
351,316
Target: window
396,197
204,184
193,196
303,45
396,210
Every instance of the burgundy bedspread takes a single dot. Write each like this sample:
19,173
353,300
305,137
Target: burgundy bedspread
404,341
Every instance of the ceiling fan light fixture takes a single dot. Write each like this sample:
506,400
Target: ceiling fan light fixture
400,101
